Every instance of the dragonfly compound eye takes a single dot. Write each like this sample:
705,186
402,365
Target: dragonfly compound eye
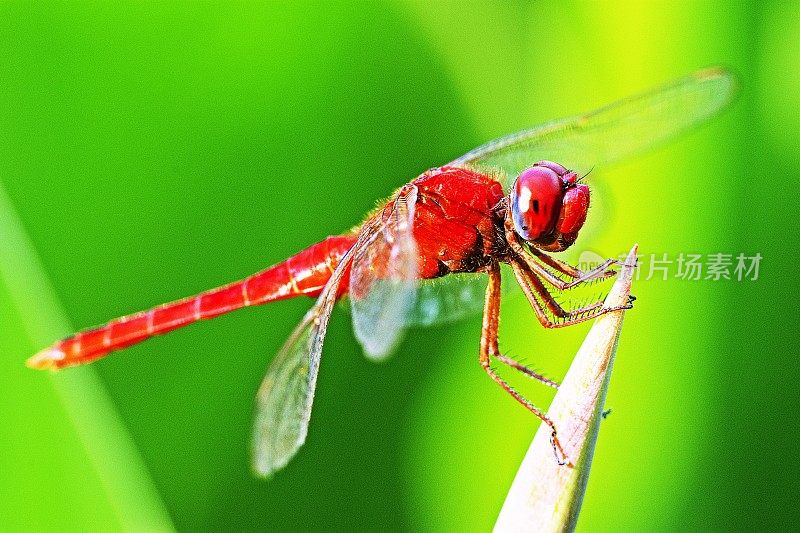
573,211
536,200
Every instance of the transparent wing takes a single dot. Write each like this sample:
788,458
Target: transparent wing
285,398
612,132
383,278
454,297
448,299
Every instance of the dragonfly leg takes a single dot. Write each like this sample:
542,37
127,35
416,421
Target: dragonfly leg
555,308
493,348
558,265
489,348
573,272
525,370
534,289
599,272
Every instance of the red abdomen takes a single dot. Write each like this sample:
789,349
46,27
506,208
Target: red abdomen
303,274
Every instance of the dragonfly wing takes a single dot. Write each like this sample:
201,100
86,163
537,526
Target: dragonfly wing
383,278
610,133
454,297
447,299
285,398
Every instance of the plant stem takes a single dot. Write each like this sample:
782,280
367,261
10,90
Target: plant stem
129,490
545,496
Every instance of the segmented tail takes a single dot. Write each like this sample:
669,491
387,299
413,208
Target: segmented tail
303,274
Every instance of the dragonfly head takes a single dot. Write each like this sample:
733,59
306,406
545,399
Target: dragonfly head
548,206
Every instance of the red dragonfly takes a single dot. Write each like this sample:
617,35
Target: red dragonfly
431,253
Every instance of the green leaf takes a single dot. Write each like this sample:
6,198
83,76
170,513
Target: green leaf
68,461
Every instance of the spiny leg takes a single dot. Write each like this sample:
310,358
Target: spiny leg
525,370
555,308
569,270
557,265
489,347
533,287
600,271
494,349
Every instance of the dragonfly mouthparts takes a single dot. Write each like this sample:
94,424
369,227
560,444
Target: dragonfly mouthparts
46,359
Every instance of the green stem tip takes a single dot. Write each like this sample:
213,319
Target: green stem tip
545,496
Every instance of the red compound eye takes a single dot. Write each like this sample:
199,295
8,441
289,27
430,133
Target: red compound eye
536,200
573,212
555,167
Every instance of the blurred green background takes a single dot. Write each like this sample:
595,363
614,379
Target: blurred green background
153,150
